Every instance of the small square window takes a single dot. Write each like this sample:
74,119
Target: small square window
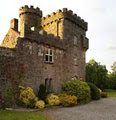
75,61
32,28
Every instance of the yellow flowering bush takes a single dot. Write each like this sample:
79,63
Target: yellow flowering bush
53,100
100,91
103,94
28,97
40,104
68,100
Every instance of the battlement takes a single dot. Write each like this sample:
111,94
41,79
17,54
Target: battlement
7,52
31,9
64,14
45,38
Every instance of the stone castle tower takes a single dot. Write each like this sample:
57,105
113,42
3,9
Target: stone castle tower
46,50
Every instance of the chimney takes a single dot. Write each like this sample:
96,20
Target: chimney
14,24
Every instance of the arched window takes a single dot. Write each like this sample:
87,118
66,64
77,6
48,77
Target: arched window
48,82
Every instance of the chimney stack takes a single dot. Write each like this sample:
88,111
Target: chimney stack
14,24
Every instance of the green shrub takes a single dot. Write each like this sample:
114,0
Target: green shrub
53,100
77,88
40,104
42,94
95,92
68,100
28,97
12,96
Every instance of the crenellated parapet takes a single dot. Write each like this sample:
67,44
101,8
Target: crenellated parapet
7,52
64,14
29,17
45,38
25,9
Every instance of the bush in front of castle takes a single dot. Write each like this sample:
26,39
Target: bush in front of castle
77,88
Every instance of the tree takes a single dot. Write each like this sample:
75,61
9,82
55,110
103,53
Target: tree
113,67
96,73
111,83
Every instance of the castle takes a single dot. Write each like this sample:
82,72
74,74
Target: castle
46,50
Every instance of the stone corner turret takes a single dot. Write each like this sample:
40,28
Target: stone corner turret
29,17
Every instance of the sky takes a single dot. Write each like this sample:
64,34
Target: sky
100,15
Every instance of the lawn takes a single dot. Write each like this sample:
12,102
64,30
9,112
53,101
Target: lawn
11,115
111,93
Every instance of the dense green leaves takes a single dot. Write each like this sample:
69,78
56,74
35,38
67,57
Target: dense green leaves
95,93
42,94
96,74
79,89
113,67
111,82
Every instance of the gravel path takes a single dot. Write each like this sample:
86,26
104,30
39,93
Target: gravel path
104,109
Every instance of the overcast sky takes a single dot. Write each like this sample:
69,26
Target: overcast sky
100,15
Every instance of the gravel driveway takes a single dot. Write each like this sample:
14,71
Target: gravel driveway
104,109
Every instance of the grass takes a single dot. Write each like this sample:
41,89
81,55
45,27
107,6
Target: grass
111,93
11,115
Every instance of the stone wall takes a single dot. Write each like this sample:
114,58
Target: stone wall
11,69
32,54
10,40
6,60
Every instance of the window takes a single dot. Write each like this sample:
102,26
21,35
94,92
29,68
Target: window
75,61
75,40
30,49
74,78
32,28
48,82
49,55
85,42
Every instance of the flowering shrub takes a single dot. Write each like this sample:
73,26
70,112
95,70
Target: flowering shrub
68,100
103,94
53,100
28,97
77,88
100,91
40,104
